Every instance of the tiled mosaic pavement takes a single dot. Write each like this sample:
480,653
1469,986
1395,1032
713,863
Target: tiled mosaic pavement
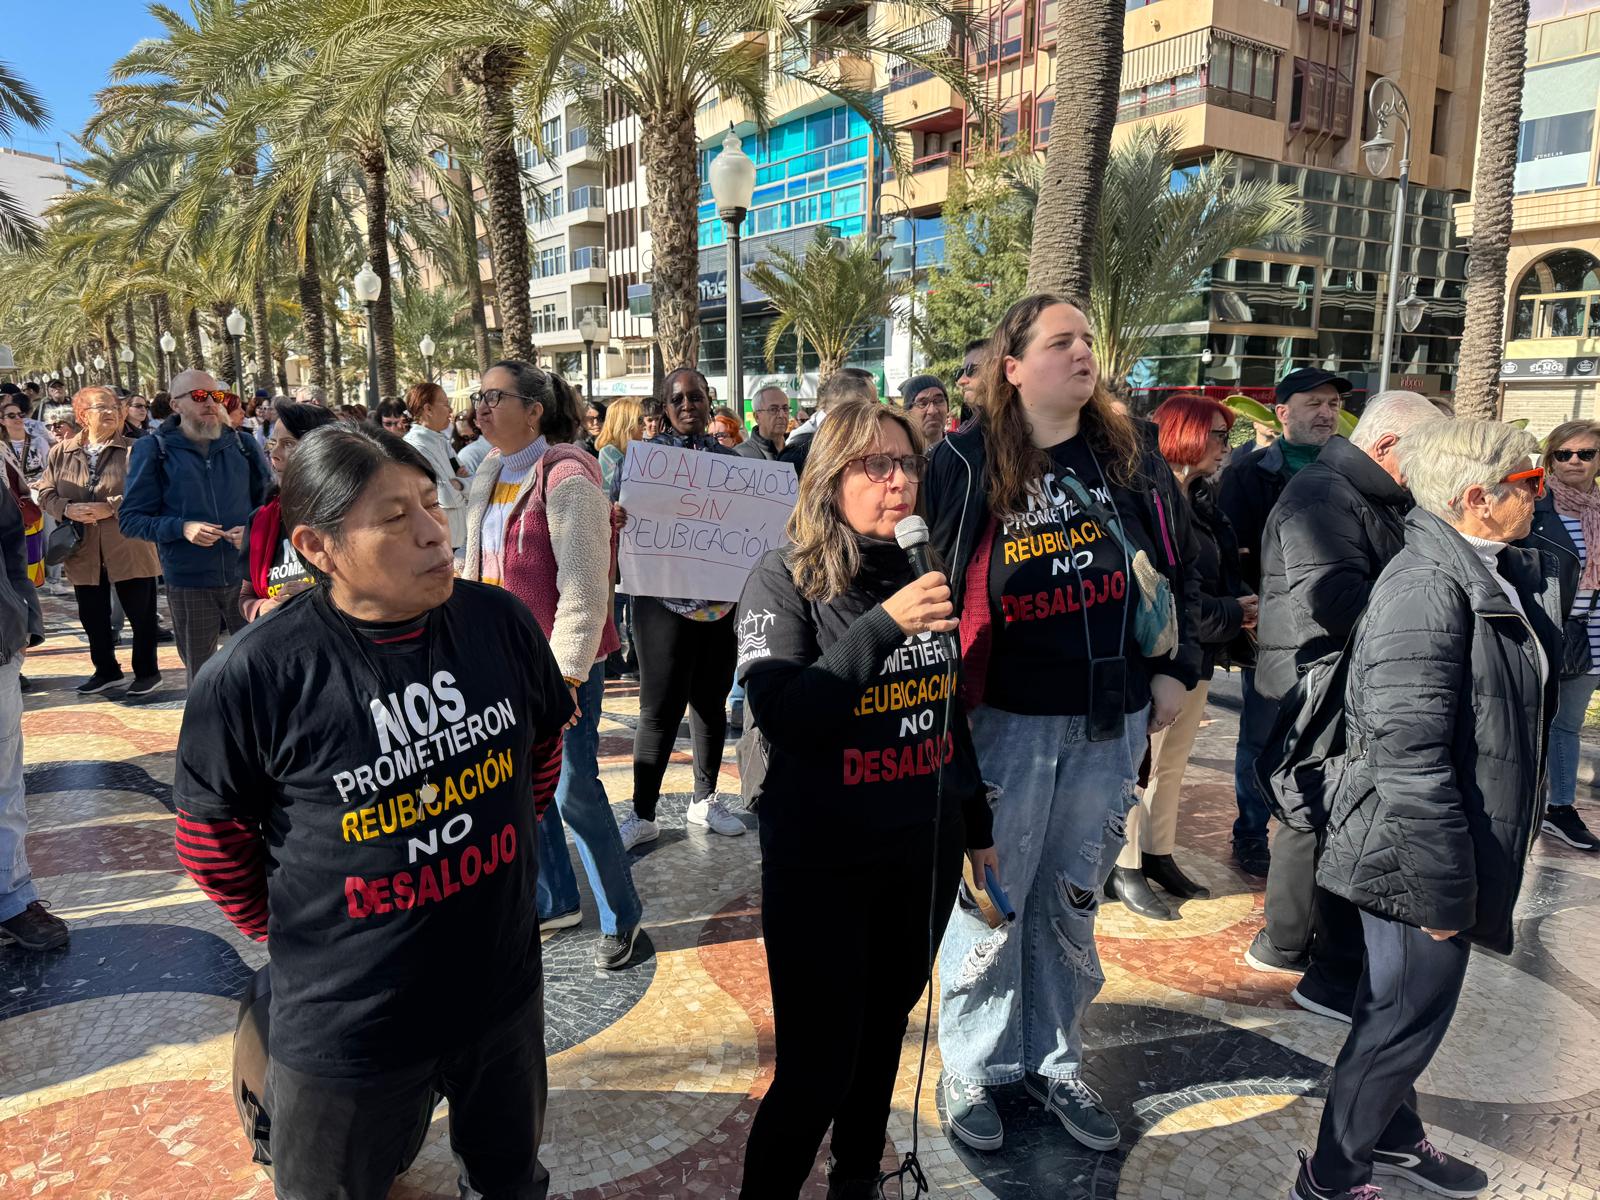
114,1055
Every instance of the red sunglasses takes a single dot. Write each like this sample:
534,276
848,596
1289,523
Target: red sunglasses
1534,475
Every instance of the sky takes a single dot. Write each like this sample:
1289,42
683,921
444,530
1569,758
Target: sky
64,49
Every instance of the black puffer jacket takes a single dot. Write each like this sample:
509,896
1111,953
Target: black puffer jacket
1250,486
1448,721
1336,526
1549,532
1216,560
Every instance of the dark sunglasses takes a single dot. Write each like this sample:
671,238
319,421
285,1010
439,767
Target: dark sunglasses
1569,455
10,414
1534,476
220,397
966,370
880,467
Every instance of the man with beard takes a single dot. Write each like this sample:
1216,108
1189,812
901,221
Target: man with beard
191,488
1309,401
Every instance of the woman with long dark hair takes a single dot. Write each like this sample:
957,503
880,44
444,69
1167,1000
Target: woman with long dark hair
1057,517
686,655
385,742
843,656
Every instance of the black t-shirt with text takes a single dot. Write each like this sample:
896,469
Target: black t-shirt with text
1058,587
390,769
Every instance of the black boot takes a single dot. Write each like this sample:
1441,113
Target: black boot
1128,885
842,1188
1160,870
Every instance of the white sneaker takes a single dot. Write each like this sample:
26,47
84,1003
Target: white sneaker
714,815
636,829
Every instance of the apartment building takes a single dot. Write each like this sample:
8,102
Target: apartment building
1552,354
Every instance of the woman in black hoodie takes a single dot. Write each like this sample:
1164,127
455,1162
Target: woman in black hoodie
870,793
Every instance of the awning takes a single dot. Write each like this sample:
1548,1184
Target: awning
1179,56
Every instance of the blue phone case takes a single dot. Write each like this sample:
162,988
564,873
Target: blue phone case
997,894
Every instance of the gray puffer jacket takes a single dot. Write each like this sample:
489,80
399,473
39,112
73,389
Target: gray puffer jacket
1448,722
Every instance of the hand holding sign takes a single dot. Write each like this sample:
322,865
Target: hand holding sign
696,523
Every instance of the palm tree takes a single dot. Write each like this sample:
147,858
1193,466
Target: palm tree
442,314
1080,144
660,61
18,102
832,297
1157,240
1499,125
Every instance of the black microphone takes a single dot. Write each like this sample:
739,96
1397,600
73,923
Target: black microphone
912,536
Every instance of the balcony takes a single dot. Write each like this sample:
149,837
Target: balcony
1344,13
587,204
918,100
552,327
1155,105
579,149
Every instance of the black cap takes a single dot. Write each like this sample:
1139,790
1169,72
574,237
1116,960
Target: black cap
1306,378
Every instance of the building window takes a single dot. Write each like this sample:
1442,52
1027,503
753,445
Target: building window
638,357
1004,36
550,136
1447,28
1320,100
1041,132
1047,21
552,261
1441,122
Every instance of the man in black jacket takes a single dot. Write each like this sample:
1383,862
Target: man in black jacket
1309,401
1334,529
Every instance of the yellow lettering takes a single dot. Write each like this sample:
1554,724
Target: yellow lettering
406,806
349,824
369,824
451,796
466,777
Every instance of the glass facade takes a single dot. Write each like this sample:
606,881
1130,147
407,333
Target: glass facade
1557,138
809,171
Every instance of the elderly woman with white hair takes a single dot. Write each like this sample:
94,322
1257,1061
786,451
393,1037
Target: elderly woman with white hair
1451,690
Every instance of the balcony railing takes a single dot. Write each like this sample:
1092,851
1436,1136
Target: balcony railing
1561,315
908,79
931,162
585,258
1165,102
599,312
577,138
589,196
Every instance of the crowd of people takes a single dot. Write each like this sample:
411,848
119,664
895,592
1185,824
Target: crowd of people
968,685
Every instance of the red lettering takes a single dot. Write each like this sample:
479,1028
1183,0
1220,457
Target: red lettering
508,843
427,886
355,895
378,890
451,887
1072,603
404,895
1119,584
852,767
872,767
1025,607
471,865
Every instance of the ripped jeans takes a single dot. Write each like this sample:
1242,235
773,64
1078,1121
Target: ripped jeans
1012,998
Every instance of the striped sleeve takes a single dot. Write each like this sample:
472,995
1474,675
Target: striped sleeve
546,760
228,859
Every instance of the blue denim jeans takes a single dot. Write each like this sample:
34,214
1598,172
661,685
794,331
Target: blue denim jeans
581,803
16,880
1255,725
1564,737
1013,998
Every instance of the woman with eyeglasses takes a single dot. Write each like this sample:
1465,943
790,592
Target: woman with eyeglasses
429,409
594,420
138,417
1453,680
871,790
686,653
1567,517
83,482
1064,536
392,417
273,568
539,526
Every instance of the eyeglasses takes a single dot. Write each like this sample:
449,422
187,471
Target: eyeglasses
682,399
1533,476
1221,435
12,414
770,409
220,397
142,407
880,467
1580,455
492,397
967,370
725,437
104,412
941,402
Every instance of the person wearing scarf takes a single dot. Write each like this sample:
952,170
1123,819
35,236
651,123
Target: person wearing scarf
1571,459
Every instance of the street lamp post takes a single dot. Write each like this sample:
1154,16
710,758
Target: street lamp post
1206,359
733,183
168,345
100,368
368,287
910,219
588,331
1386,103
125,355
427,347
235,324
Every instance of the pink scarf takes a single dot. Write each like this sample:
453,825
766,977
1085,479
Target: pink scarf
1585,506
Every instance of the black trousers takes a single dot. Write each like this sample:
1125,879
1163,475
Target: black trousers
682,664
847,954
1404,1004
340,1139
1302,916
138,598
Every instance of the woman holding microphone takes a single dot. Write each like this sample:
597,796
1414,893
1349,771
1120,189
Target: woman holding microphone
870,794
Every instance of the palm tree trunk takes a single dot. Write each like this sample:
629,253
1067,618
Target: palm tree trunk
160,322
191,335
508,220
669,150
467,217
375,172
261,338
313,317
112,361
1068,212
281,359
1499,124
337,373
130,331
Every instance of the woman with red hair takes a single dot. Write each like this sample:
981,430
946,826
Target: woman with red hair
1194,441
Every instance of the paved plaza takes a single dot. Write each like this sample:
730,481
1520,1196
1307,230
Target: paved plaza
115,1054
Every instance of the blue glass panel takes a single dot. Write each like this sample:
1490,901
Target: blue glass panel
858,148
850,227
847,175
766,174
767,196
858,123
848,200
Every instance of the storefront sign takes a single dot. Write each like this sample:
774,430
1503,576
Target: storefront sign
1539,369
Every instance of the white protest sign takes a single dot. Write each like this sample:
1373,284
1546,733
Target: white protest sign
698,522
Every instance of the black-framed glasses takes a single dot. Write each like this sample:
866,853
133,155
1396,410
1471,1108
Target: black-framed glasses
967,370
680,399
11,414
936,402
1581,455
491,397
1221,435
880,467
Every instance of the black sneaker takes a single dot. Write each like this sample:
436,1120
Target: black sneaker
1316,995
1306,1188
1432,1169
35,929
98,683
1561,821
1264,956
143,685
614,951
1253,857
164,636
